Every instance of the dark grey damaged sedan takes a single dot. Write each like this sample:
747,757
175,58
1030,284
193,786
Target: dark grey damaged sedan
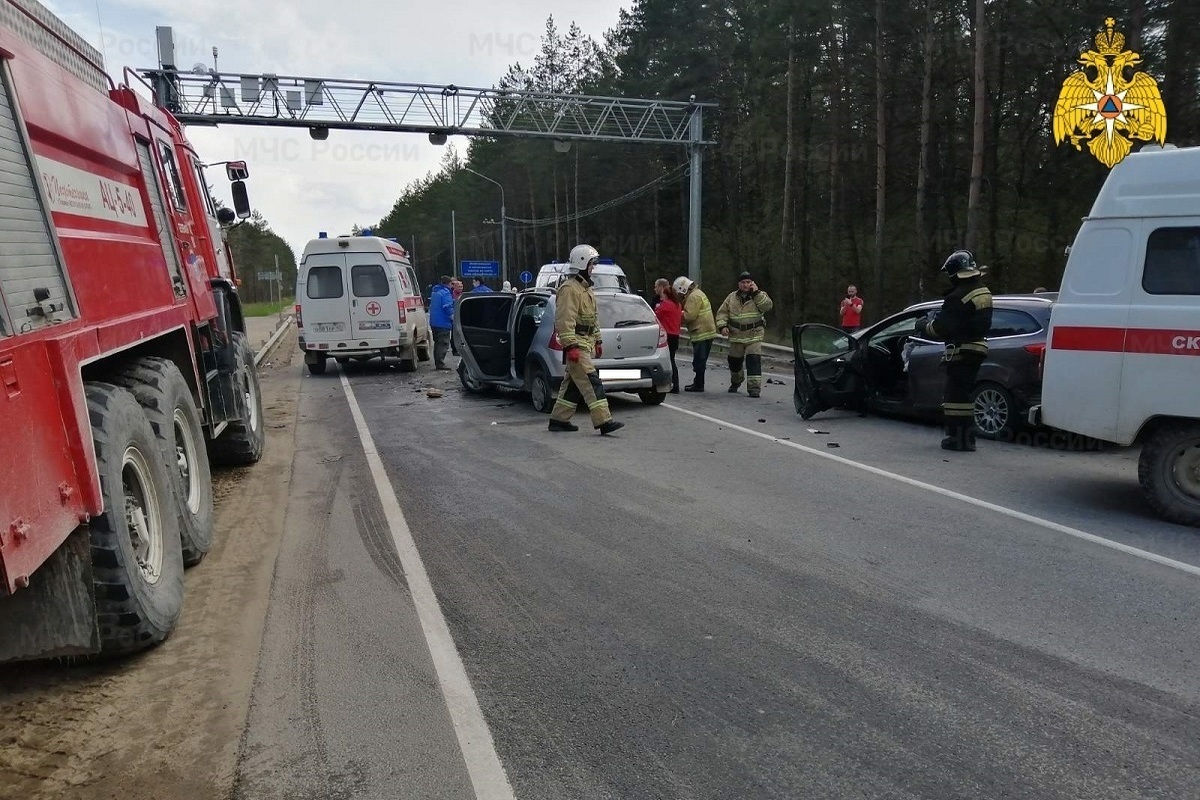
886,368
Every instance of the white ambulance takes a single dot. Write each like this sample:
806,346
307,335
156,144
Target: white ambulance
357,297
1122,361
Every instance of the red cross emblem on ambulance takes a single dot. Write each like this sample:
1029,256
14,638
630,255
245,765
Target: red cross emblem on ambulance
373,308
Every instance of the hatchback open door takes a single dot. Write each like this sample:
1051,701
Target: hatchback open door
824,377
482,334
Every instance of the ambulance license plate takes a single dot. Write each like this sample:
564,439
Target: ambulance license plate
327,327
620,374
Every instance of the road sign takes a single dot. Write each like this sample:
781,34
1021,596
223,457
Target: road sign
270,276
526,277
479,269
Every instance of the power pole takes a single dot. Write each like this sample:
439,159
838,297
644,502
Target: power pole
503,240
453,243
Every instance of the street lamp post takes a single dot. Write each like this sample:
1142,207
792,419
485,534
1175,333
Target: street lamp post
503,226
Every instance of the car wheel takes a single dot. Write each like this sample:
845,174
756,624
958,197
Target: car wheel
1169,472
408,362
470,384
995,412
424,349
651,397
541,393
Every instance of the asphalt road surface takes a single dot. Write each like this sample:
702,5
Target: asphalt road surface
434,597
721,601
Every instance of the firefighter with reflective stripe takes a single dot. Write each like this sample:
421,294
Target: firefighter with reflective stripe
577,326
962,323
702,328
741,318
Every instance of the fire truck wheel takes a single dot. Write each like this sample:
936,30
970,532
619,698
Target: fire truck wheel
242,442
160,388
1169,472
137,561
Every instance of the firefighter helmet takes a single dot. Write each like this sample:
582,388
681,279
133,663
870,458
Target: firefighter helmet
683,285
581,256
961,263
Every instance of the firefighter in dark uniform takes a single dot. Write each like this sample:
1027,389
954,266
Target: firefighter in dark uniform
962,323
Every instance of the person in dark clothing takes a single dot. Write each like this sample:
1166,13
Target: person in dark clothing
669,311
441,320
962,323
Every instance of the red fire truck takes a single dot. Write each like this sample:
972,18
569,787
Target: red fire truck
124,365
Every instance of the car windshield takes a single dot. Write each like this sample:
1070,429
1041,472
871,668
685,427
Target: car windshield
624,311
604,281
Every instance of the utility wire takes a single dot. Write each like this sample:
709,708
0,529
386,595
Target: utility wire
671,177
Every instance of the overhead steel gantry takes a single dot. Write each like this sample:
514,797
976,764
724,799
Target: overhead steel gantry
323,104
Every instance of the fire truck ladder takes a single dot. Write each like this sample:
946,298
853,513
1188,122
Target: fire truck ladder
321,104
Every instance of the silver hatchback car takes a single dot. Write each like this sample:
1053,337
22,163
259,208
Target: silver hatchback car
508,341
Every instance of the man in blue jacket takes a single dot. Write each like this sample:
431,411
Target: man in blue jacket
441,319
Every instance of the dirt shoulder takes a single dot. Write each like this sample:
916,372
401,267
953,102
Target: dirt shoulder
167,723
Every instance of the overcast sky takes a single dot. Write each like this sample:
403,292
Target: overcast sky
299,185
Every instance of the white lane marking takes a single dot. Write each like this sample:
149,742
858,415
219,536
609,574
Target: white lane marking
479,751
1045,523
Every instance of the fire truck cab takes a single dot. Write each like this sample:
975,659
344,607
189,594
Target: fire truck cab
1122,361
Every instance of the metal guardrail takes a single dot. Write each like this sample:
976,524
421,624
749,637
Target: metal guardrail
274,340
773,350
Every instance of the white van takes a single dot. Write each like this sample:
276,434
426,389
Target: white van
357,297
1122,360
605,275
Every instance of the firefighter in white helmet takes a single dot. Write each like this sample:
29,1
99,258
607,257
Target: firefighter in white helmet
578,328
702,329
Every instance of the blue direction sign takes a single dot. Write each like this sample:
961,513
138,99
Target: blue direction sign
526,277
479,269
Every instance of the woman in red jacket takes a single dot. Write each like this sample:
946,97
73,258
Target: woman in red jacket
670,315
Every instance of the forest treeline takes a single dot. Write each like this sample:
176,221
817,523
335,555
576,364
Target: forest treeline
256,251
858,141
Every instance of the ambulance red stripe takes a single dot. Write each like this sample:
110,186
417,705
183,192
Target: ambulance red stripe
1152,341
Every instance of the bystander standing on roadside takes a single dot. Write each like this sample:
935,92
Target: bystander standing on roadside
670,315
479,286
456,290
850,311
441,320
